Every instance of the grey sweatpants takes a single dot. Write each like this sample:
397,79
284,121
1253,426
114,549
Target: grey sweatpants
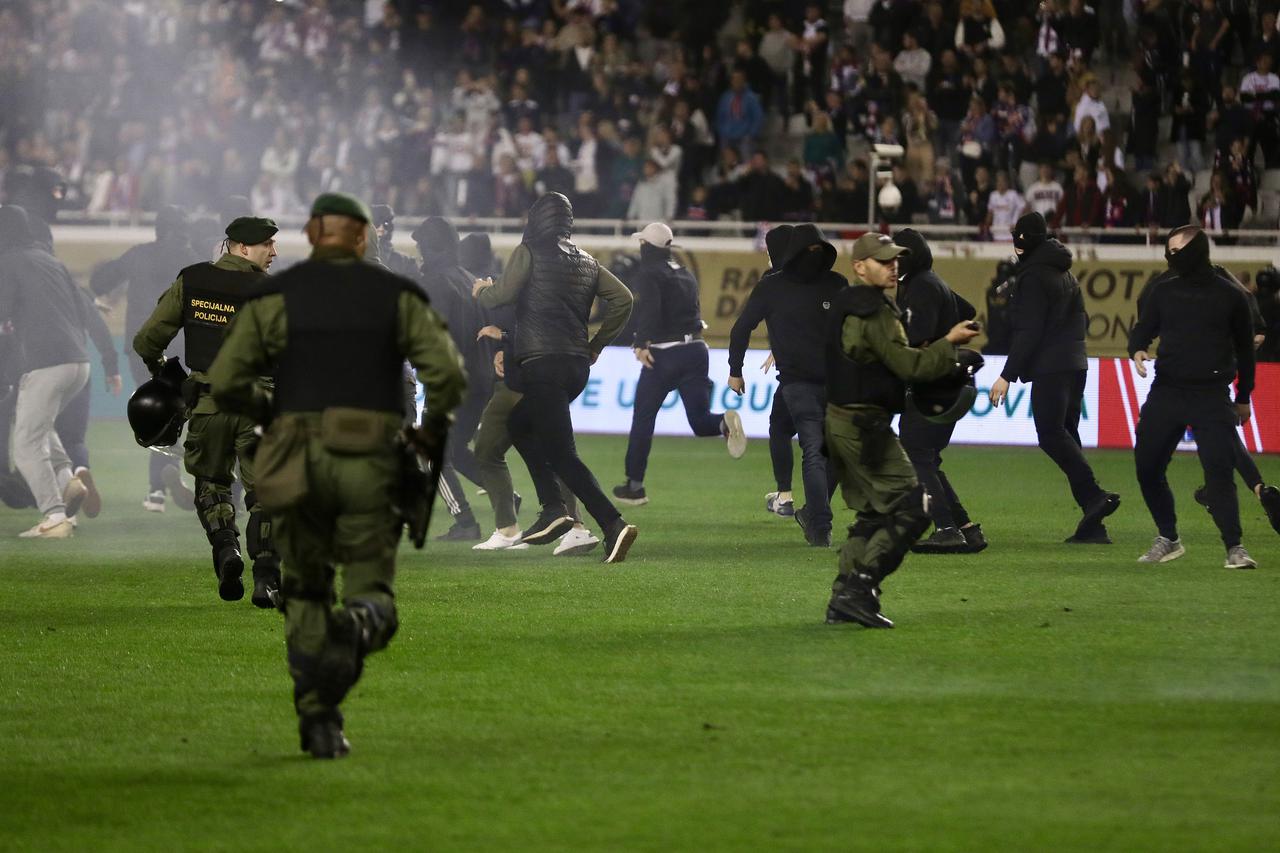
37,451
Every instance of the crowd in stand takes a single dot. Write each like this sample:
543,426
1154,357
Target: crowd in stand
756,110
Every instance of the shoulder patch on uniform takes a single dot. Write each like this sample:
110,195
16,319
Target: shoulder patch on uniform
863,300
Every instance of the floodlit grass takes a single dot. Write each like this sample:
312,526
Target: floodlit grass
1036,697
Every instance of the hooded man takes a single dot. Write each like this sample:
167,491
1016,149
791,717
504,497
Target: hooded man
869,364
147,271
448,285
384,223
201,304
794,300
1048,350
39,299
553,285
782,428
1205,329
930,309
669,346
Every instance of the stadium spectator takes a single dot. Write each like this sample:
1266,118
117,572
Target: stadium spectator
1004,206
739,116
1081,205
1044,195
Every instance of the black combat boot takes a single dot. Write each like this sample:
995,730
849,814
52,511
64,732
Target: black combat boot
321,735
266,582
857,601
228,565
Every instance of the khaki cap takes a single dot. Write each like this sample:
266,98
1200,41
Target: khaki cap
877,246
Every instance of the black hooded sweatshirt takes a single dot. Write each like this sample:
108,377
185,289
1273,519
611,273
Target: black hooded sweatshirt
929,306
448,286
40,299
1205,329
794,302
148,270
667,300
1046,310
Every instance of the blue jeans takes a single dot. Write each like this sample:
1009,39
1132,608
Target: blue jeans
807,402
683,369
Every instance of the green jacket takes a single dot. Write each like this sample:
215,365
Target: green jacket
166,321
260,333
881,337
617,298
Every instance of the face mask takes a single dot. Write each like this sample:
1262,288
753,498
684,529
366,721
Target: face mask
1191,257
810,264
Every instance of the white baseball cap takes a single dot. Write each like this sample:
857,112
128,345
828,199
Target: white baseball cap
656,234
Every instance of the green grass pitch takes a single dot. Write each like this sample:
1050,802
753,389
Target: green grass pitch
1036,697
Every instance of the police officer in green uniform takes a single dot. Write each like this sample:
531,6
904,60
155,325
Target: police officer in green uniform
201,304
868,367
334,330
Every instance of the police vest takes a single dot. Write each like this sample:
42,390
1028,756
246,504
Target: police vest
211,296
555,303
852,382
341,348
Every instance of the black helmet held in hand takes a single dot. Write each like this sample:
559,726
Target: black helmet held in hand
156,410
947,400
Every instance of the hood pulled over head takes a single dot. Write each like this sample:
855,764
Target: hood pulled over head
550,219
435,236
808,253
919,259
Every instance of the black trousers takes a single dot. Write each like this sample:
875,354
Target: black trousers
807,403
1055,406
924,442
781,430
1163,420
683,369
458,455
542,431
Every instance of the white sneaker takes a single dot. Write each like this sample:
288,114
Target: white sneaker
73,495
1238,558
575,543
735,436
48,529
154,502
498,542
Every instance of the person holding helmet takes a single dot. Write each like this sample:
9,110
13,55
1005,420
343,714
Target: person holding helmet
201,304
930,308
335,332
869,364
669,346
1048,350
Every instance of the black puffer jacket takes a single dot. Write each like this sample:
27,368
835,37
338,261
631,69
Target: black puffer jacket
1048,316
930,308
554,306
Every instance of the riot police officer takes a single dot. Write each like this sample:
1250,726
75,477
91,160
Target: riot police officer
201,304
334,331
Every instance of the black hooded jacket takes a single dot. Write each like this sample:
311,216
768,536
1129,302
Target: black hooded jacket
448,286
1205,326
1047,312
39,297
667,299
795,306
930,308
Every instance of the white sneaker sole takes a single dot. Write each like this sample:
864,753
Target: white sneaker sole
1247,564
577,549
1172,555
736,439
485,546
622,544
632,501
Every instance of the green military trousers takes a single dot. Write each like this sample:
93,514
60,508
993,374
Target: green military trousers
492,442
216,442
344,523
882,489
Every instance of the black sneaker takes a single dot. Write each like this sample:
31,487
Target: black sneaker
617,541
266,583
945,540
230,567
1270,497
322,736
1201,496
857,602
550,526
1096,535
461,533
802,518
1098,509
975,538
624,494
818,538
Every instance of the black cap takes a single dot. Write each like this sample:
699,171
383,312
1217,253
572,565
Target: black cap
251,230
1030,231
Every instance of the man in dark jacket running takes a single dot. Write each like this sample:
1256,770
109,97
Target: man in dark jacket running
1048,350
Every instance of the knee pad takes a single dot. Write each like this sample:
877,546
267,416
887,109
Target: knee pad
380,622
866,525
258,536
910,515
318,590
214,507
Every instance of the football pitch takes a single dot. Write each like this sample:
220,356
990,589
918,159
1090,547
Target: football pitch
1037,696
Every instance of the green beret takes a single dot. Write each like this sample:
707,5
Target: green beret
341,204
251,230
